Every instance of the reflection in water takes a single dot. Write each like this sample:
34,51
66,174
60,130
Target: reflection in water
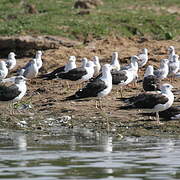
21,142
84,154
106,142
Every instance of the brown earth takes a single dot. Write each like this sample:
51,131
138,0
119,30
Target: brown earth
46,97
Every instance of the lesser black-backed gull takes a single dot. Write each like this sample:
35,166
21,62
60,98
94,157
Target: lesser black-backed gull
11,61
3,70
122,78
172,113
152,101
14,92
71,64
99,87
81,74
150,81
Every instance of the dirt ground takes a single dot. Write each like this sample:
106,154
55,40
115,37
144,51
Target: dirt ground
46,97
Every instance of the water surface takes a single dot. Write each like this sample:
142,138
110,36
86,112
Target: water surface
83,154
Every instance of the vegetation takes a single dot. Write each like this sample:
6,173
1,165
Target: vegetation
156,18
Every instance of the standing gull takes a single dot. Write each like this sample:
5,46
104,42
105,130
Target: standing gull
171,52
71,64
115,62
143,58
97,66
152,101
99,87
124,77
31,71
172,113
14,92
150,81
80,73
39,59
11,61
173,66
163,71
3,70
133,63
84,62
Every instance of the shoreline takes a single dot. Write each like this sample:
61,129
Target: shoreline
44,98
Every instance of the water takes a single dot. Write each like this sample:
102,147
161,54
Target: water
82,154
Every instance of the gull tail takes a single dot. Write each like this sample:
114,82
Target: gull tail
127,100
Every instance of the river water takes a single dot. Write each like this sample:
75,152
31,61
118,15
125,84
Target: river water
83,154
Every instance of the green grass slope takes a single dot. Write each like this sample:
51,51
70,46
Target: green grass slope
159,19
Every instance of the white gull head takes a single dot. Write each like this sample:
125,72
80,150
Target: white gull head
166,87
84,62
97,66
149,71
11,55
115,63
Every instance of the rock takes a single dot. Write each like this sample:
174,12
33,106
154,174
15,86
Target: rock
28,45
83,12
87,4
31,9
64,119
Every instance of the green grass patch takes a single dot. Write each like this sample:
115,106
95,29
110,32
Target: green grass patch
156,18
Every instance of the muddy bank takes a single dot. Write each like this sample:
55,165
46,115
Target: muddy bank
45,108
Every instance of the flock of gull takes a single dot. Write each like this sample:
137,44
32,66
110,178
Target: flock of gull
156,96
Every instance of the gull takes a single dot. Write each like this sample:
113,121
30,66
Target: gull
15,92
11,61
172,113
126,76
133,66
80,73
31,70
133,63
38,62
122,78
143,58
99,87
3,70
97,66
152,101
173,66
171,52
38,59
84,62
71,64
150,81
163,71
115,63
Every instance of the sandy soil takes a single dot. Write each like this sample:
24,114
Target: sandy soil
46,97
